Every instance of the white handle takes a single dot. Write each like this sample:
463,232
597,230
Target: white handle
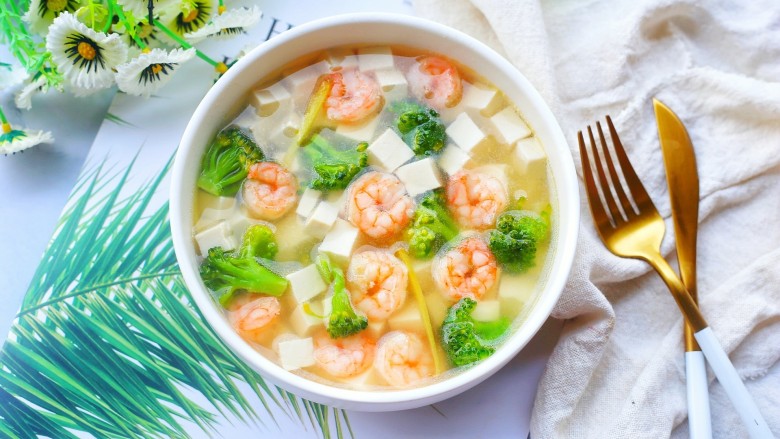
698,396
733,385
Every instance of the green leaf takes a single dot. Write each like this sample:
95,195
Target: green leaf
108,342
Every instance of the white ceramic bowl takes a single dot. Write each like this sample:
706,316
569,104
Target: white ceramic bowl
224,101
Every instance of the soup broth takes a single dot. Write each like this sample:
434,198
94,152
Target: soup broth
376,217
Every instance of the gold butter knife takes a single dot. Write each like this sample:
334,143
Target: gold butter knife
683,181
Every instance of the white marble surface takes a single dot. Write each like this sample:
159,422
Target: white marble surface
35,184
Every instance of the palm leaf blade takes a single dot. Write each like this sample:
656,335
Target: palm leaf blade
108,342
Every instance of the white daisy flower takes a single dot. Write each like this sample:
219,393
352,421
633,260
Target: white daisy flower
11,75
83,56
143,75
23,98
150,35
227,24
188,16
41,13
15,140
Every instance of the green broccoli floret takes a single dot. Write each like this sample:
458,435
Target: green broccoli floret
260,242
431,226
227,272
420,127
226,163
516,237
335,168
466,340
343,320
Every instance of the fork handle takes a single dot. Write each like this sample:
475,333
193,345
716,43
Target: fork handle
733,385
699,425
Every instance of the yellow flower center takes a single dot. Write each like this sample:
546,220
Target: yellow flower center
156,68
221,9
191,16
221,68
56,5
145,30
6,128
87,51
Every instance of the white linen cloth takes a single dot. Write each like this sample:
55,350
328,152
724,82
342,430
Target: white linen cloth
618,369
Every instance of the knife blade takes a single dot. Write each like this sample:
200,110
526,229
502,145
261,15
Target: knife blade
683,182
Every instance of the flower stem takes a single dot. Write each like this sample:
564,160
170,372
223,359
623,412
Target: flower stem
218,66
130,27
110,17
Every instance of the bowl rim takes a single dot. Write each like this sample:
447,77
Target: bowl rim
566,191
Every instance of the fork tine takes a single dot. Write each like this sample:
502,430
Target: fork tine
624,201
596,208
605,184
635,185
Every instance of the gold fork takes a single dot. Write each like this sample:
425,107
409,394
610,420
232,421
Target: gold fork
636,232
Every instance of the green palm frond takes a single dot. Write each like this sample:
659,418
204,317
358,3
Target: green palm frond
108,342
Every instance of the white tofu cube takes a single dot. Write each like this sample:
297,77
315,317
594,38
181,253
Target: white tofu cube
308,202
485,101
437,308
531,157
210,216
388,151
344,58
338,200
361,132
407,318
268,100
218,235
239,223
465,133
419,176
284,132
304,323
487,311
306,283
453,159
375,58
340,241
367,380
301,83
509,126
393,84
498,171
376,329
515,290
321,219
295,354
221,202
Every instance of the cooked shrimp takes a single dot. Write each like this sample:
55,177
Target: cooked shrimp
378,282
269,191
475,199
250,314
353,96
436,81
467,270
378,205
403,359
344,357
